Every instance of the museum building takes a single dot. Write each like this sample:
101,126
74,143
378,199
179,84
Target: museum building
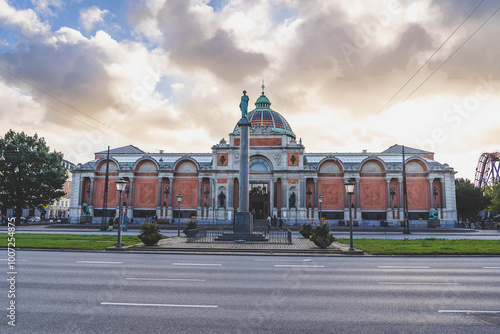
284,181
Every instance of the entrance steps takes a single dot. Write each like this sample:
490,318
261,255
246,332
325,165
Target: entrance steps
253,237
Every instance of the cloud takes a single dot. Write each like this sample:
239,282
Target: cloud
26,20
47,7
329,67
90,17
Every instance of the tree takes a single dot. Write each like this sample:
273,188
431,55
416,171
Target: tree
30,175
494,193
470,199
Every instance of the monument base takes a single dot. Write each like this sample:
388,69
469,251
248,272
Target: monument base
243,222
85,219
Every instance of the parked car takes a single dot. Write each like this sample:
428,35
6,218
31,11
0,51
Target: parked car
34,220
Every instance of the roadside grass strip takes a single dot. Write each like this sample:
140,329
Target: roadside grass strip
430,246
67,241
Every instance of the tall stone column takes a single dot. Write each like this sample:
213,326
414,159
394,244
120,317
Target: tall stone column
389,209
198,209
271,196
170,211
230,194
158,207
316,210
431,186
401,209
243,220
130,209
91,199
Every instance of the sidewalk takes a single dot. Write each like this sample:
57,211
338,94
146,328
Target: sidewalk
299,246
333,228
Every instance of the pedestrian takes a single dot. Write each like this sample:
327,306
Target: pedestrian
275,221
281,224
110,224
268,223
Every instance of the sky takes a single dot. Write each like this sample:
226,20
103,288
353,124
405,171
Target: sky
169,74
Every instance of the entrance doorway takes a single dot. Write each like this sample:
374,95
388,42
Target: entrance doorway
259,199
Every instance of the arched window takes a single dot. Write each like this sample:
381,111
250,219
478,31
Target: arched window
259,165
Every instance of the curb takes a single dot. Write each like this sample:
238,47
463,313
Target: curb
340,250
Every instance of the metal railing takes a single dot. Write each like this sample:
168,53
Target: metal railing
279,236
208,235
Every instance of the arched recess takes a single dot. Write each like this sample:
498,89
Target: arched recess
417,184
101,166
186,166
373,185
330,166
330,184
416,166
373,165
146,167
259,164
186,182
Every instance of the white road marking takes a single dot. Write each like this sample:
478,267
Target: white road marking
491,267
410,283
466,311
165,279
159,305
197,264
403,267
15,260
298,266
278,260
99,262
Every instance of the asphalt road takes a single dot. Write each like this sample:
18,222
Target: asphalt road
97,292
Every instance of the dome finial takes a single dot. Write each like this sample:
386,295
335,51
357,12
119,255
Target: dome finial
263,86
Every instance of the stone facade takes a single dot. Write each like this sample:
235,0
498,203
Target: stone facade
284,181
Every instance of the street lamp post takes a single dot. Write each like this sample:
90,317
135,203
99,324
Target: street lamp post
320,200
179,199
120,186
349,189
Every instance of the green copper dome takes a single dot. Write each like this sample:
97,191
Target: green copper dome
265,116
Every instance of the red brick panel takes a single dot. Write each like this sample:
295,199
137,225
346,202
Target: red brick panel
395,185
205,186
418,194
278,194
439,198
164,197
188,188
332,190
373,194
145,193
293,159
310,199
112,193
221,159
261,142
222,181
236,194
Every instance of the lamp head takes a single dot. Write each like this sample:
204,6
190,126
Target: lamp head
349,187
120,184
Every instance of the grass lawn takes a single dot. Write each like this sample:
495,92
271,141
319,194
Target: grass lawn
430,246
67,241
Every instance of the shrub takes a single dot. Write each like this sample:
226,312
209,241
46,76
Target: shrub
150,235
191,225
321,235
306,230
